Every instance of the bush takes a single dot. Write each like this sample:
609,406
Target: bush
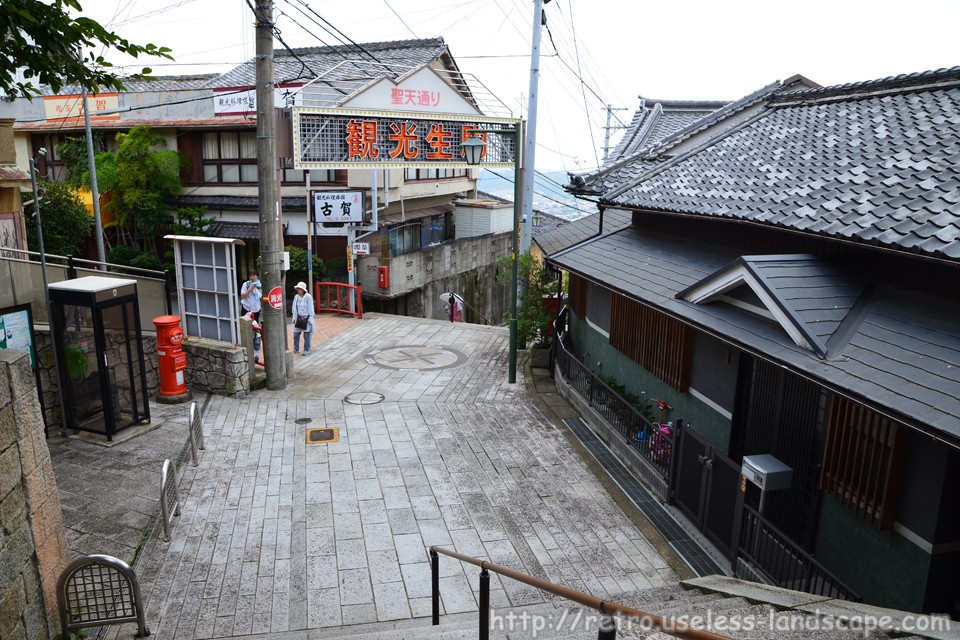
123,254
147,261
66,222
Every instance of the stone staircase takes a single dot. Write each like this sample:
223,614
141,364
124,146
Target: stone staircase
727,606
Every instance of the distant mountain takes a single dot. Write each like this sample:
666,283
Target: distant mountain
548,195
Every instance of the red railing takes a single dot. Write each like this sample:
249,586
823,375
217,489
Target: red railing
335,296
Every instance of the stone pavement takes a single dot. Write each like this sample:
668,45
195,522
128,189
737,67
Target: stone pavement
435,448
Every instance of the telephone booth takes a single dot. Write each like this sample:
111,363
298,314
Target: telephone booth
96,332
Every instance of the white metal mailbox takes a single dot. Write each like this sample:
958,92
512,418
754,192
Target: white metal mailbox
767,472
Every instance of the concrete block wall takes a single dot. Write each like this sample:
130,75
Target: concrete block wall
33,548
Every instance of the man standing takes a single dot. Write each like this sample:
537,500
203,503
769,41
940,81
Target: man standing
251,294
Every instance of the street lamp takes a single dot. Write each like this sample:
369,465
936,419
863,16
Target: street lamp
473,148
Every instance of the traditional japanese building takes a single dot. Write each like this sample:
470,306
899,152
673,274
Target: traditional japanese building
211,121
787,285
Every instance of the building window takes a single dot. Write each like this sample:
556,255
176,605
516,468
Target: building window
658,343
437,229
413,175
230,156
317,176
862,460
598,308
404,239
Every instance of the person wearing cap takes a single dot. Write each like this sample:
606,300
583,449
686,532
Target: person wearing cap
302,318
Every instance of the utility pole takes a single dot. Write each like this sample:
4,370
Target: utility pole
271,252
94,191
530,140
606,130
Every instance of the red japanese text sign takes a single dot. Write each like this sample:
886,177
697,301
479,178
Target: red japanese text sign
350,138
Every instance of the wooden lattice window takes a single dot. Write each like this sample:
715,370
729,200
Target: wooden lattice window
862,461
578,295
660,344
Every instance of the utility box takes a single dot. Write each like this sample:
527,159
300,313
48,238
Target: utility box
767,472
96,331
383,277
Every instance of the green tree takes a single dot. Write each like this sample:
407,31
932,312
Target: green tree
534,283
43,39
65,220
143,175
192,221
73,152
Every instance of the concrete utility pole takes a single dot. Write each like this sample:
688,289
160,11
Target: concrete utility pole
530,140
94,191
271,248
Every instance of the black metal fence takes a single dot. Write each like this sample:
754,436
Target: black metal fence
785,563
655,443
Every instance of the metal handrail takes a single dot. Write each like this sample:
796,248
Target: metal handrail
813,577
605,607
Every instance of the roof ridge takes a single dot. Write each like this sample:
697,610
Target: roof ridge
370,46
904,83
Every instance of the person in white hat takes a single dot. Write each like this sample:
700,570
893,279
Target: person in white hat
303,311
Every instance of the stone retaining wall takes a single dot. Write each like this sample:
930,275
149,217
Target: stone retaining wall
217,367
33,549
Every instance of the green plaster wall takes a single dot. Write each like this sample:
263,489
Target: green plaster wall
709,424
885,568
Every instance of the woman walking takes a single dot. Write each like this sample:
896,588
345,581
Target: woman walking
302,318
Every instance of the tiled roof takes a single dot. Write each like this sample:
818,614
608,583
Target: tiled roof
13,174
639,160
336,63
76,124
292,203
395,56
918,376
875,162
567,235
658,119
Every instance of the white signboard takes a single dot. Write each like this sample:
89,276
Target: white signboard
361,248
243,102
338,206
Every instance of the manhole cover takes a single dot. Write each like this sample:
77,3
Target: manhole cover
364,397
327,434
303,420
416,358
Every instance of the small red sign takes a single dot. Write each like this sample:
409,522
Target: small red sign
275,298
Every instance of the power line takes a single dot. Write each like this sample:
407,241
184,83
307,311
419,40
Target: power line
387,2
583,84
345,36
503,177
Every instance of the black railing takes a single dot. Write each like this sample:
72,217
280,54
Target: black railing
654,442
783,562
608,609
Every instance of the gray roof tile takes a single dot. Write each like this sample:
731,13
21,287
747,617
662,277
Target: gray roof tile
892,147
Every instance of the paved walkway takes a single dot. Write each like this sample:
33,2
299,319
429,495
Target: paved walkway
434,448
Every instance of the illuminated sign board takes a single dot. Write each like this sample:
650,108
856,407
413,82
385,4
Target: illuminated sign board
354,138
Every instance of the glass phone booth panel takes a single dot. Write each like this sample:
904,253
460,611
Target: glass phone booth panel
97,333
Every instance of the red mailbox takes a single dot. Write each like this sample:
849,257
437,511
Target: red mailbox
383,277
173,361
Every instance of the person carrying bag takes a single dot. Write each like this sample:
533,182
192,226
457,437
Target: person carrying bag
303,311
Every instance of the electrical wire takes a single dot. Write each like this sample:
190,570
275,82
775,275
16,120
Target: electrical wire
389,6
503,177
583,84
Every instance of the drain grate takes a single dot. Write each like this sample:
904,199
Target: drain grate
364,397
326,434
303,420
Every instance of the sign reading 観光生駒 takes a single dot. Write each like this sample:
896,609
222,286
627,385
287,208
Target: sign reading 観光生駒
351,138
338,206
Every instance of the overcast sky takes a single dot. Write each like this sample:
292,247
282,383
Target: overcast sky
675,49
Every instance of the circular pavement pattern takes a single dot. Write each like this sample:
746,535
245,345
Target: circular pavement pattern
364,397
416,358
